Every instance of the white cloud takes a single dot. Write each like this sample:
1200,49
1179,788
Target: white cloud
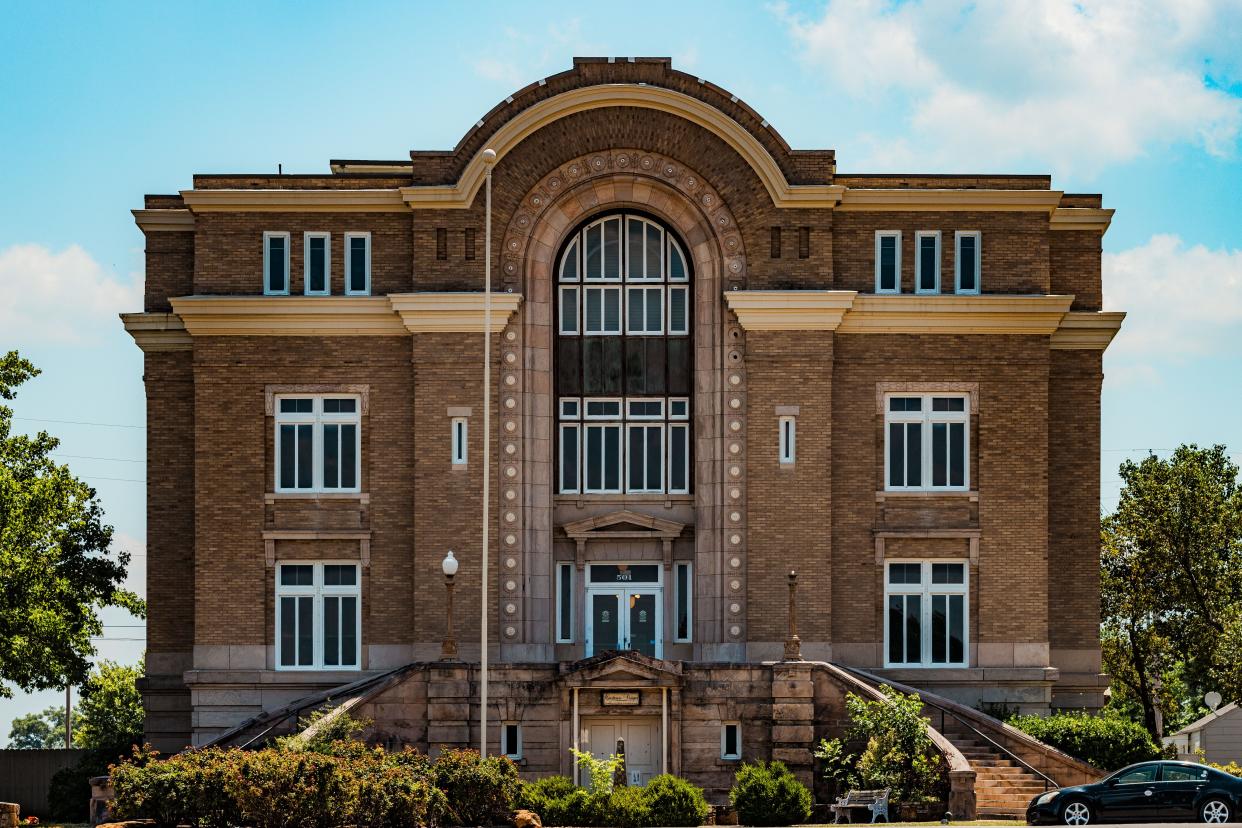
519,57
1072,85
1179,301
60,298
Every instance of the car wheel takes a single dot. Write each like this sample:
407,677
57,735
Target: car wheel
1076,812
1215,810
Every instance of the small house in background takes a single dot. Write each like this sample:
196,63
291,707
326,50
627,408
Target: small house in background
1218,735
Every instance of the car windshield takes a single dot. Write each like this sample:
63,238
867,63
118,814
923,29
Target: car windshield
1136,775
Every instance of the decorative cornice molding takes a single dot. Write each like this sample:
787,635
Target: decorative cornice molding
317,201
157,331
1080,218
1087,330
452,312
952,314
270,392
790,310
287,316
549,110
883,388
157,221
949,200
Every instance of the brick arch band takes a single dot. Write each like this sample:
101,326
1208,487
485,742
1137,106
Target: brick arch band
677,195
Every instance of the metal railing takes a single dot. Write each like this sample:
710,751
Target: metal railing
1047,780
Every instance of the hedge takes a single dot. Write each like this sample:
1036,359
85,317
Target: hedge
664,801
1108,742
767,793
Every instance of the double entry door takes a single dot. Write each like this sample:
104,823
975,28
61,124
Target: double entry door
625,609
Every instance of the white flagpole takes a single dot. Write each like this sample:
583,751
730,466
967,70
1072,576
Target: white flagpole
489,158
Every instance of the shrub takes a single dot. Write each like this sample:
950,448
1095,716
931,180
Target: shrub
538,795
1108,742
69,790
479,791
1233,768
673,801
626,807
768,794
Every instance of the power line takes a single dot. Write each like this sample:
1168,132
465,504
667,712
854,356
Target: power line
88,457
78,422
118,479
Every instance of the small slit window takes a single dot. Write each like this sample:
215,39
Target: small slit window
511,740
458,439
357,264
683,588
276,263
731,741
788,440
967,260
888,261
564,603
927,262
317,259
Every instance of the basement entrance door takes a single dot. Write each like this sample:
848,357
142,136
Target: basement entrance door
641,744
625,609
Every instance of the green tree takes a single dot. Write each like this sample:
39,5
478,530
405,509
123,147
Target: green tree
111,708
1171,583
46,729
56,569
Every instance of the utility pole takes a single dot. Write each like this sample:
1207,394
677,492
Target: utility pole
68,716
489,158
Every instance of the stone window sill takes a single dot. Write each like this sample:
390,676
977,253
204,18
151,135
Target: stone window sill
882,495
273,497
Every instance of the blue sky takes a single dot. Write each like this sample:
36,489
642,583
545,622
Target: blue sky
101,103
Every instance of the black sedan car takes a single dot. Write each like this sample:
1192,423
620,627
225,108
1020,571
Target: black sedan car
1146,792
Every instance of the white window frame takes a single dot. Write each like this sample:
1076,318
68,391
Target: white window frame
575,290
918,261
645,330
459,440
957,261
317,591
516,753
882,234
603,289
643,424
349,237
731,757
928,417
317,419
565,569
677,287
689,568
787,440
327,263
268,235
926,589
619,218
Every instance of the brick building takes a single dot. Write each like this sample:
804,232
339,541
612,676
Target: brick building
715,359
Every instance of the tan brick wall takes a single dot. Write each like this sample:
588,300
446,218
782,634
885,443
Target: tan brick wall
170,269
1075,262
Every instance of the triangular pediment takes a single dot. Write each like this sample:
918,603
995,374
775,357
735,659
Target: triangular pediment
624,524
621,669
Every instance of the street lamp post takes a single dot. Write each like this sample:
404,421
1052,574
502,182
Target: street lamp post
448,650
489,158
793,644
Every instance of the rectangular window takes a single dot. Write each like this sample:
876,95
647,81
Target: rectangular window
925,622
731,740
459,441
317,258
926,442
564,603
888,261
276,263
602,458
927,263
602,310
318,444
787,427
511,740
609,445
967,258
569,311
646,458
644,310
678,311
357,264
683,593
318,616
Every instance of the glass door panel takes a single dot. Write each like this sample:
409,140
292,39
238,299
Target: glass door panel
605,623
644,626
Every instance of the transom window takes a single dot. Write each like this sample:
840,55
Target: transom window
318,616
927,606
926,442
623,373
318,444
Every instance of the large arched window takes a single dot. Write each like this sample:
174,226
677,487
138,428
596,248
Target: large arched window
623,359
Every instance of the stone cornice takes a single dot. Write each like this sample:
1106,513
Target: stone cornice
288,316
1081,218
157,221
452,312
790,310
1087,330
157,331
949,200
316,201
951,314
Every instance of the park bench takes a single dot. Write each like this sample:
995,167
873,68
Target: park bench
876,802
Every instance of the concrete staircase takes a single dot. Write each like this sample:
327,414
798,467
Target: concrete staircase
1003,788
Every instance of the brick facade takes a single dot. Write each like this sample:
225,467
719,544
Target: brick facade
1027,523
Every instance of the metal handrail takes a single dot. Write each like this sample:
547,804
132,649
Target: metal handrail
1048,780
